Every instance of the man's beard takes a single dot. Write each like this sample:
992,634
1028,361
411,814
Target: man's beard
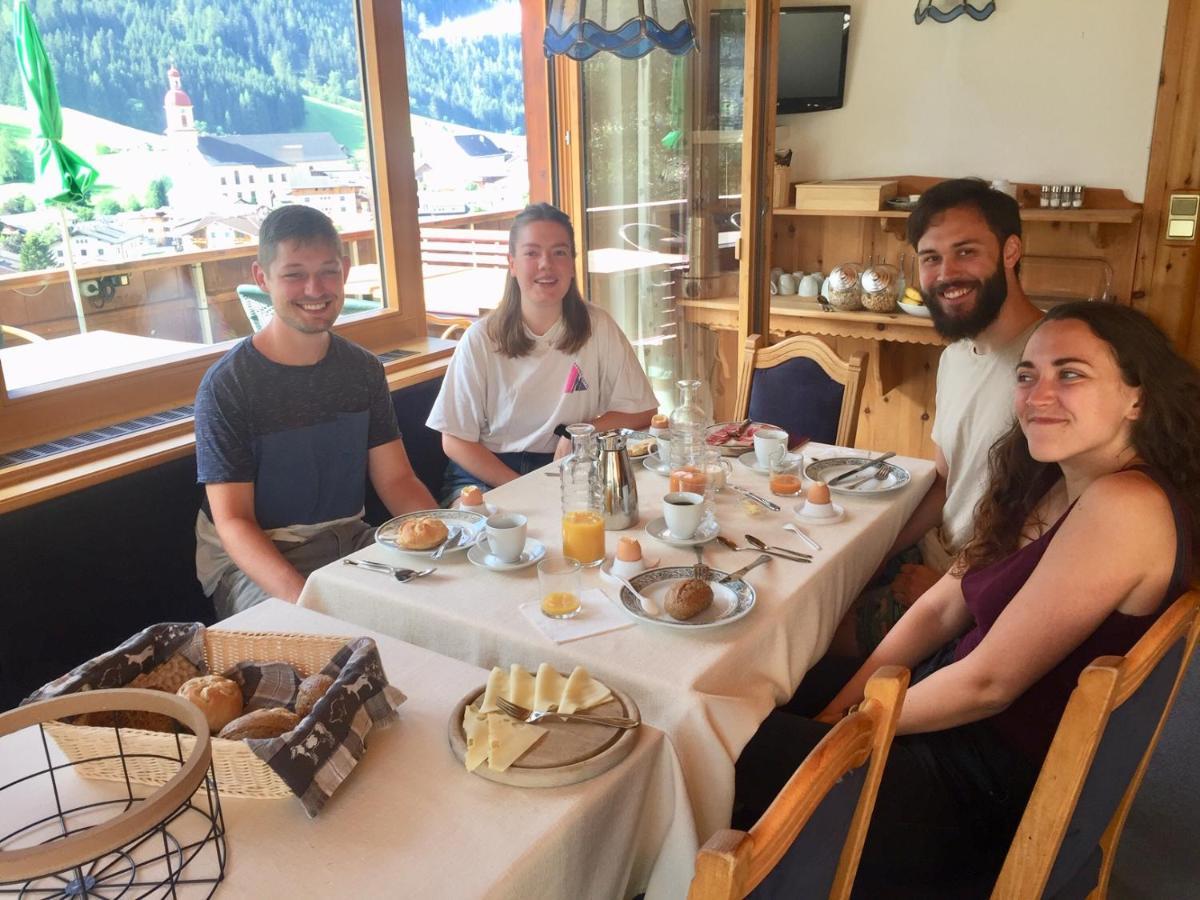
989,298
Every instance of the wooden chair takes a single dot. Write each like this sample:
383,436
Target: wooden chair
1068,836
12,331
802,386
830,794
450,324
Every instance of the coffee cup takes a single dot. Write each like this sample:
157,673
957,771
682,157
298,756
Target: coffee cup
663,450
787,283
775,273
769,443
505,534
683,512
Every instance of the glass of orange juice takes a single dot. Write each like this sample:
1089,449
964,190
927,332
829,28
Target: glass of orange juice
583,536
558,578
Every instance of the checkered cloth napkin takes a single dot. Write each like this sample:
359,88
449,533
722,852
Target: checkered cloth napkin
312,759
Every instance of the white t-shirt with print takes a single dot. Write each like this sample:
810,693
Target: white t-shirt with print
513,404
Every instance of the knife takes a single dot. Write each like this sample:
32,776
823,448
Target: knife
867,465
744,569
750,495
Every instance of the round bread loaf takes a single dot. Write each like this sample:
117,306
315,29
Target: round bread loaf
422,533
311,690
262,723
218,698
689,598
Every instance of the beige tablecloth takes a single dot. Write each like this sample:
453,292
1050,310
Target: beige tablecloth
411,822
709,689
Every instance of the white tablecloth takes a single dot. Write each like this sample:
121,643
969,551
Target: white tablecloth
709,690
411,822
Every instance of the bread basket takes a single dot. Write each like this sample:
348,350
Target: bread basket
239,772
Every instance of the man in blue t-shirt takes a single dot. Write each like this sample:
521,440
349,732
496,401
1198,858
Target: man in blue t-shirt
289,425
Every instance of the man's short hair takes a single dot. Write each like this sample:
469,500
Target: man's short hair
998,209
301,224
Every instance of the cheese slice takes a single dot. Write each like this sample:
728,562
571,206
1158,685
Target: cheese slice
475,727
508,740
520,687
582,692
497,686
548,687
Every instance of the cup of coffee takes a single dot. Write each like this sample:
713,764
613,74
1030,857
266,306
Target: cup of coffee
769,443
506,535
683,512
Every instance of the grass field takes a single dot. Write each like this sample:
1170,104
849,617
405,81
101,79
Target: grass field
343,122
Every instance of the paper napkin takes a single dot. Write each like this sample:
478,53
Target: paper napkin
598,616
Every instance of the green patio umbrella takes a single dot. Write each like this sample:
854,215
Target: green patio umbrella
62,176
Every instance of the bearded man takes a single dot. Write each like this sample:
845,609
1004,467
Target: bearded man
968,243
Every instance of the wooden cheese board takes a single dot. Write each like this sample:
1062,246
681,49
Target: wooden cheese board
570,752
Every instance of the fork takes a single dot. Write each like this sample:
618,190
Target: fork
792,555
880,474
536,715
401,575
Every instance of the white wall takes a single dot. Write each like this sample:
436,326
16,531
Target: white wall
1044,91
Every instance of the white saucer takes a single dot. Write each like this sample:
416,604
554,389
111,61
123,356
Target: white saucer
482,557
487,509
657,529
839,513
750,461
656,465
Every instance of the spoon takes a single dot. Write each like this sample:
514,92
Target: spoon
786,554
763,545
788,526
401,575
649,607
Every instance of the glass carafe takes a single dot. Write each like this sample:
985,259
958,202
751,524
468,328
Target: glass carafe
689,425
582,499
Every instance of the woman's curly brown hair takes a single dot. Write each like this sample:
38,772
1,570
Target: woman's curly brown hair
1166,435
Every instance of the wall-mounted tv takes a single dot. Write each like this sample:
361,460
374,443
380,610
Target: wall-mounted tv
813,42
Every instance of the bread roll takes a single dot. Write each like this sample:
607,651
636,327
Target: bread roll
423,533
689,598
311,690
262,723
218,698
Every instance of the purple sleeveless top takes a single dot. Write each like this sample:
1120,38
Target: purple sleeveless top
1028,724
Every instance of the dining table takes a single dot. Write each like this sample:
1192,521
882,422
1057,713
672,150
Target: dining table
708,688
410,821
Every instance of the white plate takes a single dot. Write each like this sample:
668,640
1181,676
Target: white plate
839,513
915,309
471,524
482,557
828,469
731,600
656,465
657,529
750,461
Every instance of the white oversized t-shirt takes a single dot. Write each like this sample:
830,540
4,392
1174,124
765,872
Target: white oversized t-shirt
513,404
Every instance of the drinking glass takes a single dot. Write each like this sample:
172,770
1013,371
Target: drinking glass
559,582
785,471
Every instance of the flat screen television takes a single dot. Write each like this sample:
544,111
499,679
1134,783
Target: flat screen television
813,42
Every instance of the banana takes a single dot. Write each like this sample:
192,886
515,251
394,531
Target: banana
912,295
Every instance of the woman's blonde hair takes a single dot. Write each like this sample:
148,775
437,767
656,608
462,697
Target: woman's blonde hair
505,326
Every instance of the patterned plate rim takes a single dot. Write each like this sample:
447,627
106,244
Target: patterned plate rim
814,470
743,590
473,521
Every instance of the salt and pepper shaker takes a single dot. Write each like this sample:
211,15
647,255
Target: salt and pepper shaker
1044,197
1077,196
1055,196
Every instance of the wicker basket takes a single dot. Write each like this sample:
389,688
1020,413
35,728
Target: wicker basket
239,772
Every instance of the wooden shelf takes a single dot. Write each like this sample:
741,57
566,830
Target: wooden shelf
1114,216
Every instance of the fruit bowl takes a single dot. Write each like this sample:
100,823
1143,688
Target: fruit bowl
915,309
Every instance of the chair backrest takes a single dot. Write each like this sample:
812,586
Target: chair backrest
808,842
802,386
449,325
1068,836
8,332
257,304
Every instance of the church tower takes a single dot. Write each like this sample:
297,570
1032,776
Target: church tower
181,123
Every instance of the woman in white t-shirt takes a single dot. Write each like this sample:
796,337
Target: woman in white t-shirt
543,360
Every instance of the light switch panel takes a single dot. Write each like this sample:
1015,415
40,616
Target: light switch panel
1182,212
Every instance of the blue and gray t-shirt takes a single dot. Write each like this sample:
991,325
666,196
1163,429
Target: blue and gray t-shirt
299,433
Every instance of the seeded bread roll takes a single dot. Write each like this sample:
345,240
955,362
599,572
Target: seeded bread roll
262,723
689,598
218,698
423,533
311,690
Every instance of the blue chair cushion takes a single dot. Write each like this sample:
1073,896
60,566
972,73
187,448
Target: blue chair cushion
799,397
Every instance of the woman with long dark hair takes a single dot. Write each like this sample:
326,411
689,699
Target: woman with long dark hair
1087,532
543,360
